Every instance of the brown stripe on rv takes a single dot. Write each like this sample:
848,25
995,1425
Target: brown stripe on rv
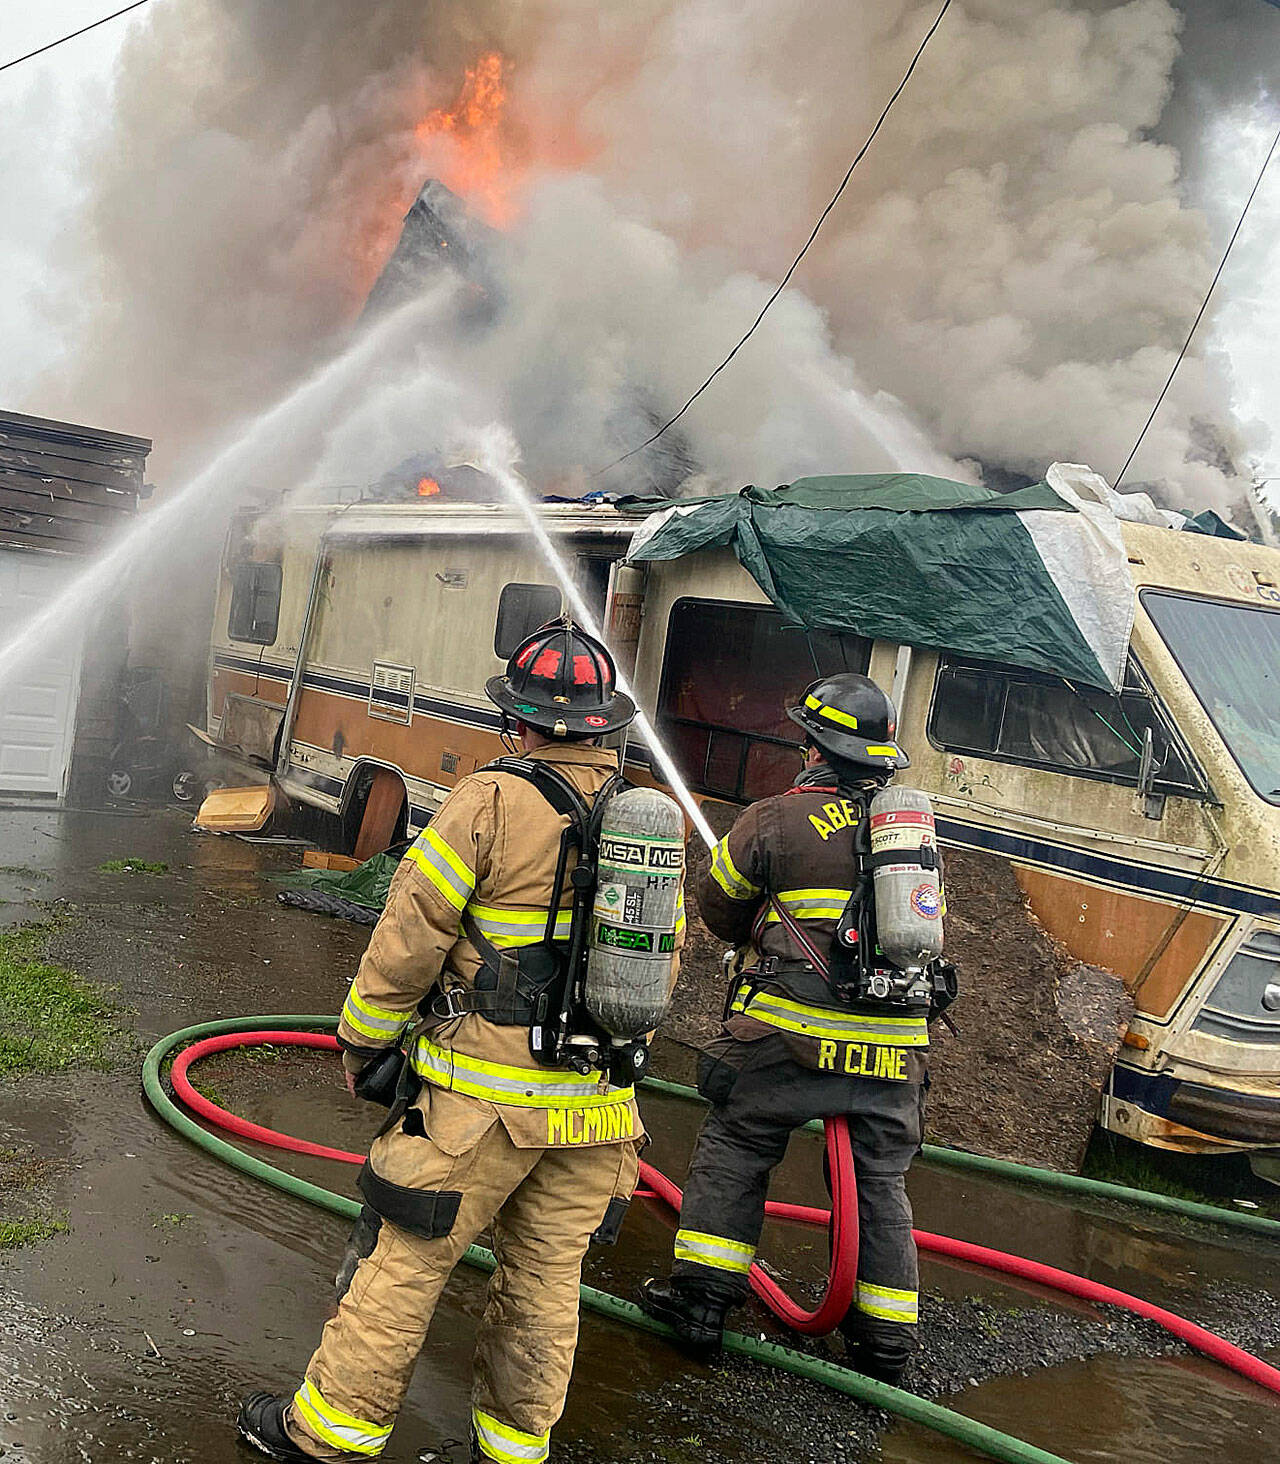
1119,931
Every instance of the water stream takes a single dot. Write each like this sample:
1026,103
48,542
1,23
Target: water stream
496,456
205,499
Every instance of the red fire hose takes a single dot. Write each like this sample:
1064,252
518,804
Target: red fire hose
841,1280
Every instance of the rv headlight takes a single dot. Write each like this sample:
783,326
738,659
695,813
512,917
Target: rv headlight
1244,1005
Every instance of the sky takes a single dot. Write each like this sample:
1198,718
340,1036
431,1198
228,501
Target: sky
49,104
54,105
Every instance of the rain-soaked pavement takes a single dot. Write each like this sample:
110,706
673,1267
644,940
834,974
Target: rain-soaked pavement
181,1284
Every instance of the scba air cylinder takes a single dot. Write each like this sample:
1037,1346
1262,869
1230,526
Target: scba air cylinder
633,923
908,892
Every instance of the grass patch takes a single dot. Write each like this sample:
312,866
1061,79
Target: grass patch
17,1233
24,871
134,866
1209,1180
22,1169
172,1222
49,1018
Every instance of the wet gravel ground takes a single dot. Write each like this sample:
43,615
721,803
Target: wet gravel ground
963,1343
231,1279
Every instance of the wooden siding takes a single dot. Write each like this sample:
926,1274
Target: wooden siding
63,487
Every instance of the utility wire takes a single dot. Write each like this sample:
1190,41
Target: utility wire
795,263
1204,304
93,25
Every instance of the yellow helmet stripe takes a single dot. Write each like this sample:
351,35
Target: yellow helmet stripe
832,714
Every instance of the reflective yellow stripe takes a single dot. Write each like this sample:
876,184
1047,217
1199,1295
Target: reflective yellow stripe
517,1087
832,714
725,874
716,1251
680,920
506,1444
373,1021
840,1026
506,928
342,1430
443,866
888,1303
810,905
888,750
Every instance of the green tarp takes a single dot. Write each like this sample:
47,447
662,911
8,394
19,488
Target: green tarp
1022,578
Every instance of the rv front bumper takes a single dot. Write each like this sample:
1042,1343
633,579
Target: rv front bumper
1194,1117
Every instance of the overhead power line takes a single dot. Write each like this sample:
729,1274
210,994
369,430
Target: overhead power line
1204,304
93,25
795,263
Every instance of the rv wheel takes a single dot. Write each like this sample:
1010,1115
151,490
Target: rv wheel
119,782
186,786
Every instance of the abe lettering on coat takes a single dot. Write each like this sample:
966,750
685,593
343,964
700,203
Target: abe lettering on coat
838,815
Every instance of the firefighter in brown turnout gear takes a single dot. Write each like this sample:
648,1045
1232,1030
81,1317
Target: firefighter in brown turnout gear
798,1044
482,1135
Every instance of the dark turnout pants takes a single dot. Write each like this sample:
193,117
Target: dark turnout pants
759,1094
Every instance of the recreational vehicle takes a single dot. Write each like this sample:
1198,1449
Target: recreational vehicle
351,645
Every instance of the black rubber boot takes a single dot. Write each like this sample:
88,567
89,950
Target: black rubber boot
696,1318
884,1365
261,1423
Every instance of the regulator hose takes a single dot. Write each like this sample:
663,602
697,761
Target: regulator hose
980,1436
843,1269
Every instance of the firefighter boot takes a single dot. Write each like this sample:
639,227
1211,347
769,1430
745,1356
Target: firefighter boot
696,1317
261,1423
883,1358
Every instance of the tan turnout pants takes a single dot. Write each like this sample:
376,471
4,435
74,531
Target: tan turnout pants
541,1206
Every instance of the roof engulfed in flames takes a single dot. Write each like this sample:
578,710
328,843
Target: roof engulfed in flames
468,143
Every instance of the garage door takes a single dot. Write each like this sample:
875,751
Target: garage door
37,708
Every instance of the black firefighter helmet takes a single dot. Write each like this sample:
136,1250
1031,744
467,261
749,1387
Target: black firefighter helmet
562,681
850,718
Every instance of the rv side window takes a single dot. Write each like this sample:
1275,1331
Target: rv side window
521,610
730,673
1012,715
255,602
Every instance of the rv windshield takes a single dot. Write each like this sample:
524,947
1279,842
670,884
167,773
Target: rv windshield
1231,656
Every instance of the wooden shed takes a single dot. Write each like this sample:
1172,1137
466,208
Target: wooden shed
65,492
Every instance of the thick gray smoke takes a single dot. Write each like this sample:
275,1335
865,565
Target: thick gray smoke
1013,262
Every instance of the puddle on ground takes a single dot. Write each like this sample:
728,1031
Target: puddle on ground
183,1284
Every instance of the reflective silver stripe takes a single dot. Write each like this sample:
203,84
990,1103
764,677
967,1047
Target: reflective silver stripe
443,866
811,904
888,1303
373,1021
725,873
716,1251
794,1016
515,1086
342,1430
506,928
506,1444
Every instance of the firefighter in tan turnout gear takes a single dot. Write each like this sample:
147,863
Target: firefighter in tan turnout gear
460,970
805,1035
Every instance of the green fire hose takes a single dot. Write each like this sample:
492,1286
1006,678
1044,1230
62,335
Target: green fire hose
979,1436
1052,1179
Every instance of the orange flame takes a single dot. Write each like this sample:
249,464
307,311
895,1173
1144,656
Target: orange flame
427,488
472,162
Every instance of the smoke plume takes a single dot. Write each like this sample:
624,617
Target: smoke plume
1012,264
